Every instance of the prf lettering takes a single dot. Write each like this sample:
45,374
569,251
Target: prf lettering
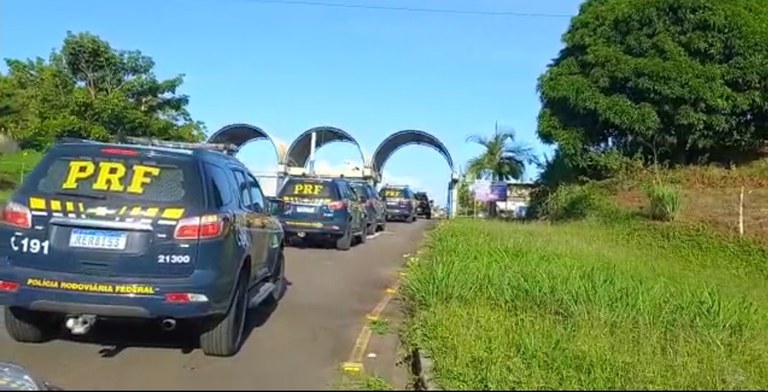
307,189
110,176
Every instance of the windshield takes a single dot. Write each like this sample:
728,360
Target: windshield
93,174
308,190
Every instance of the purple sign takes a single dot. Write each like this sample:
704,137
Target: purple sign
485,191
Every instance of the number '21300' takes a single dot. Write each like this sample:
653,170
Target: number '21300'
173,259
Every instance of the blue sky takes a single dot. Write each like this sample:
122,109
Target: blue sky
287,68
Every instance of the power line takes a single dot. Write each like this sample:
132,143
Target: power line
409,9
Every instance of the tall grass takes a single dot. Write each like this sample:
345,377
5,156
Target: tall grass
587,306
665,202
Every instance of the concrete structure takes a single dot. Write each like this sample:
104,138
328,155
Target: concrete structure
299,157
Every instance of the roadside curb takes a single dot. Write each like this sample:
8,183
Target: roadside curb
422,369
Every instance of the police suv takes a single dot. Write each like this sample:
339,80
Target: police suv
159,231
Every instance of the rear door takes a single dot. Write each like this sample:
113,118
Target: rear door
394,198
111,210
311,199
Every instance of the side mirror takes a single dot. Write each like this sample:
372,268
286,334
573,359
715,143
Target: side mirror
276,206
20,379
431,201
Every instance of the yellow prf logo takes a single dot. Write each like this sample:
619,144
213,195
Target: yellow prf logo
308,189
110,176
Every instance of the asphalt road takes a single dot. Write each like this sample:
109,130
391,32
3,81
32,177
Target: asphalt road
300,344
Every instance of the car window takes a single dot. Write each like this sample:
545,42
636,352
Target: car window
218,185
242,188
353,194
257,196
118,174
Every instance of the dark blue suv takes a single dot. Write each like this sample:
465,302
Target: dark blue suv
322,209
163,232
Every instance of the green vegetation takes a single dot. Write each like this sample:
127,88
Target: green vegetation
615,303
89,89
365,382
86,89
380,326
665,202
683,82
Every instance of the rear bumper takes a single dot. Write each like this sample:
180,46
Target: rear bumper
111,297
398,213
293,227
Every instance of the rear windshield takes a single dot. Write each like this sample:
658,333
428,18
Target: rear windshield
421,196
90,173
297,190
393,193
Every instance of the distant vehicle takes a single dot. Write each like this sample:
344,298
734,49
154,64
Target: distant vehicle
145,230
400,201
376,210
423,205
322,209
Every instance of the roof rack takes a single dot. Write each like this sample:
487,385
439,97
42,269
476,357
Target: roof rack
229,149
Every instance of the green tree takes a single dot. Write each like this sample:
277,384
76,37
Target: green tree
669,80
89,89
501,160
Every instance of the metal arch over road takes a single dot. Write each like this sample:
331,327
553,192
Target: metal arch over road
407,137
404,138
241,134
301,149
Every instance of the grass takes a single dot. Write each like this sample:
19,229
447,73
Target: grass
365,382
589,305
380,326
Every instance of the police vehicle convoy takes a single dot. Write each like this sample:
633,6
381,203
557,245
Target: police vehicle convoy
322,209
400,201
164,232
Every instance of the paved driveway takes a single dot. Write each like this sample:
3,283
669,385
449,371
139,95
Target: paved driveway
298,345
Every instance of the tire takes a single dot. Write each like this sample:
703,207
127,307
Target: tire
27,326
370,229
226,337
278,279
364,235
345,241
429,216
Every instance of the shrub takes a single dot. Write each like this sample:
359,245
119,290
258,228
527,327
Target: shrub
665,202
574,202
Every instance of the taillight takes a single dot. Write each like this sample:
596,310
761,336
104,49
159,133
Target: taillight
120,151
199,227
17,215
8,287
183,298
337,205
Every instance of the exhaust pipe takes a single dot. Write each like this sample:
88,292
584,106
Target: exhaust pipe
80,325
168,324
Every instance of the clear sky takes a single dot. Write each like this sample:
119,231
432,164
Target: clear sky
289,67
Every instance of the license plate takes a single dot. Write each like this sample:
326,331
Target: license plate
97,239
305,209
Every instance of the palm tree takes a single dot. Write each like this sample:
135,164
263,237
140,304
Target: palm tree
501,160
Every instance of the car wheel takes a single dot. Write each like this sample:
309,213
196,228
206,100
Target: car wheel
370,229
429,216
345,241
28,326
225,338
